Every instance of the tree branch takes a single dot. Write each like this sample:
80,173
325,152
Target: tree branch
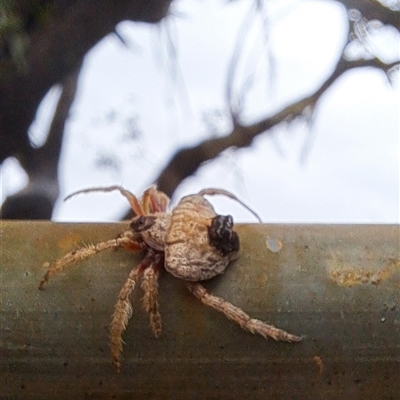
58,42
57,35
373,9
186,161
37,199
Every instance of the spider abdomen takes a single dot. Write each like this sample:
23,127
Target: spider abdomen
190,253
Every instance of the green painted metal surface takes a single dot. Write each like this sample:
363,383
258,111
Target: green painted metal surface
339,286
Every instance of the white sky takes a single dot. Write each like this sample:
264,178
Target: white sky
342,169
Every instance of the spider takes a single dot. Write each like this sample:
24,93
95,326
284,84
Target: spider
191,242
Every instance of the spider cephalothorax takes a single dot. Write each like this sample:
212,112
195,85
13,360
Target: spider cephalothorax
191,242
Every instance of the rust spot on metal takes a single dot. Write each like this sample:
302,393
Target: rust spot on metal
320,364
346,274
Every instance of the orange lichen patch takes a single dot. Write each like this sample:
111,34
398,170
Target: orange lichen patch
347,275
318,361
273,245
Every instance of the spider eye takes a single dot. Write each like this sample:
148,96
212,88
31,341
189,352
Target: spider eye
142,223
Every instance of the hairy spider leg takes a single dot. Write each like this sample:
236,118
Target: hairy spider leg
121,315
149,286
212,192
123,307
78,255
154,201
133,201
235,314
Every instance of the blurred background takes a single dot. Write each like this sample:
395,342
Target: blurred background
293,105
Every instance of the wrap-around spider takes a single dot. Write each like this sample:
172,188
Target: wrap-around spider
191,242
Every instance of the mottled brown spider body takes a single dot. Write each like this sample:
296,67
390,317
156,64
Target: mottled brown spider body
191,242
195,242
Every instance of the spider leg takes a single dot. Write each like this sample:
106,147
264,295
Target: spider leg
154,200
149,286
78,255
212,191
133,201
123,309
235,314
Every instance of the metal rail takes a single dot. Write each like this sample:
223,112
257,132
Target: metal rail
337,285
